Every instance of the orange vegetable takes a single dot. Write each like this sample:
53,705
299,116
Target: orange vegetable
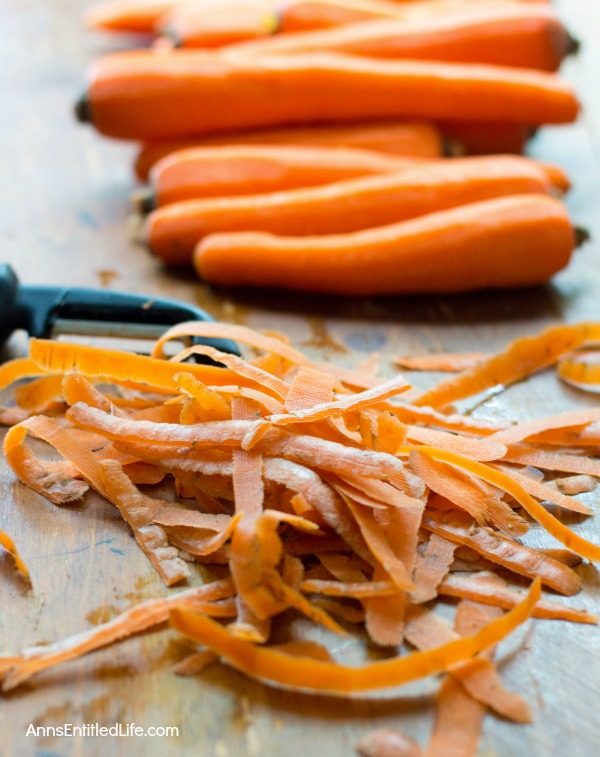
247,170
411,140
138,16
144,95
527,36
527,240
351,205
214,24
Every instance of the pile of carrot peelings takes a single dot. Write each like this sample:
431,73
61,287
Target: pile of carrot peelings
358,502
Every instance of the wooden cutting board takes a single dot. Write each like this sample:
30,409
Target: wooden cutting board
64,218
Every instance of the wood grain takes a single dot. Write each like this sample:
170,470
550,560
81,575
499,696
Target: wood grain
65,218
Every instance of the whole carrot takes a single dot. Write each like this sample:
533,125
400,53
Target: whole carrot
215,24
509,34
147,95
304,15
506,242
173,231
138,16
403,138
257,169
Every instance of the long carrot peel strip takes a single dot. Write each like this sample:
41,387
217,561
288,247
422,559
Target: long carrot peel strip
321,677
116,366
9,545
109,480
139,618
490,592
569,538
521,358
13,370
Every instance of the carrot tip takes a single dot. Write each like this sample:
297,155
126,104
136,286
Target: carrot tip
82,109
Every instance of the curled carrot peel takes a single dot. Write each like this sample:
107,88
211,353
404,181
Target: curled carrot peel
521,358
569,538
9,545
321,677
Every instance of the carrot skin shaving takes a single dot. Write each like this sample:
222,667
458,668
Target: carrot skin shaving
138,618
554,527
9,545
503,550
521,358
320,677
466,587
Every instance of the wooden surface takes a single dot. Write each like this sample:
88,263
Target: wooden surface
64,219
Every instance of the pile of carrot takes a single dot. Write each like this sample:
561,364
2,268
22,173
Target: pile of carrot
357,147
360,502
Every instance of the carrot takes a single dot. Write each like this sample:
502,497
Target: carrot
352,205
528,36
211,25
527,240
246,170
187,93
413,140
138,16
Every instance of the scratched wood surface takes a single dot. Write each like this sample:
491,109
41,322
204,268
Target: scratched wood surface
64,219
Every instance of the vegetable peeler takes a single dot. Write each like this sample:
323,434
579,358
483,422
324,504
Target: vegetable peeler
48,312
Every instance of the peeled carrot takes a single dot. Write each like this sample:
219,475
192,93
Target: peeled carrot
506,242
147,95
507,34
246,170
346,206
414,140
209,25
128,15
198,24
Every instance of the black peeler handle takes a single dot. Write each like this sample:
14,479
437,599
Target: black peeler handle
42,311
